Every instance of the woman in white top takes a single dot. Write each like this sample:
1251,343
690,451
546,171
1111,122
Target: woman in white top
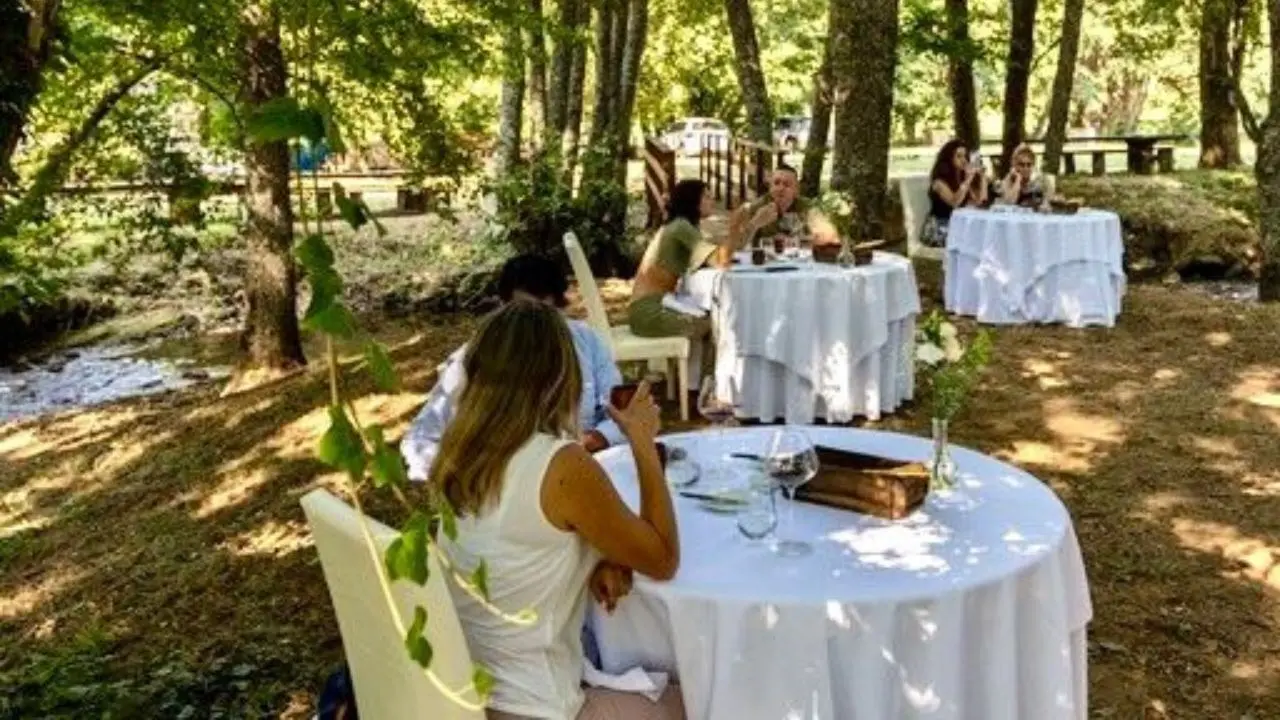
543,516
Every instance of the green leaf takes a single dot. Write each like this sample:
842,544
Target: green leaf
482,680
340,446
314,254
380,367
326,286
448,519
480,579
352,212
283,119
406,557
335,319
386,466
377,224
415,640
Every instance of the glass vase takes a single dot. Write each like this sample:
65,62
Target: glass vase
942,469
845,259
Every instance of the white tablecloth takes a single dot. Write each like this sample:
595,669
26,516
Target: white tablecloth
819,341
1012,268
973,608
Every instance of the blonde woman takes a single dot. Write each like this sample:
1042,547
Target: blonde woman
1022,185
535,506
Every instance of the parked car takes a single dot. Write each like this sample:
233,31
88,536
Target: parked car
791,132
688,135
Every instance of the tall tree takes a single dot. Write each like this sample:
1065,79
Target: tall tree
29,29
1267,169
1219,122
750,70
964,96
558,82
1022,37
539,111
512,110
815,153
573,115
864,56
636,34
606,62
1060,105
271,337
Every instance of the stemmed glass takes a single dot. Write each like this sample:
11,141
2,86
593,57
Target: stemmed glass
717,412
759,516
792,461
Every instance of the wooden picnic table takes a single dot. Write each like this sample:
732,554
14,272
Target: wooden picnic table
1140,152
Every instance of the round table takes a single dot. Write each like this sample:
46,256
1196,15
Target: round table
1016,267
975,606
812,341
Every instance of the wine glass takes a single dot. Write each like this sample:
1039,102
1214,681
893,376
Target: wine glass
759,516
792,461
717,412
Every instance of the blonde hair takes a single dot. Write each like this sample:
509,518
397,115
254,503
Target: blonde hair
522,378
1023,149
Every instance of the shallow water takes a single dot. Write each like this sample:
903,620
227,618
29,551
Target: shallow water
90,376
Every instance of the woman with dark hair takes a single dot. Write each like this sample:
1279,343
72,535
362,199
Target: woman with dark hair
954,182
677,249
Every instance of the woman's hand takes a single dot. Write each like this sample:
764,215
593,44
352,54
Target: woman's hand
640,421
764,217
609,583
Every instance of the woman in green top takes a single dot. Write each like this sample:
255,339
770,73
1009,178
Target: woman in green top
677,249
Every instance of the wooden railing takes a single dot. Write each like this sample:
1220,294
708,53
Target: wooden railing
739,172
659,178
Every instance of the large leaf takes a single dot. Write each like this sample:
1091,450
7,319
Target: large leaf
340,446
314,254
406,557
335,320
415,640
352,211
283,119
381,368
326,287
387,466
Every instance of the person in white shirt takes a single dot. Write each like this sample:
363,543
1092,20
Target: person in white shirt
529,277
543,516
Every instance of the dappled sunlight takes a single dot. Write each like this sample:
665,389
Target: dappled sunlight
1255,558
25,599
272,539
1080,438
1218,339
237,486
1048,375
68,432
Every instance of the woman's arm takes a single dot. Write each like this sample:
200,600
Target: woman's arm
979,194
954,198
577,496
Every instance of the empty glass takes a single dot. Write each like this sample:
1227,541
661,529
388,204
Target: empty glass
791,462
759,516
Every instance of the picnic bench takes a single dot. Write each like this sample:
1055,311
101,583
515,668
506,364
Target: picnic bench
1143,153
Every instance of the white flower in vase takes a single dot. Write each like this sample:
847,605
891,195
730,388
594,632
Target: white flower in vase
930,354
948,331
951,348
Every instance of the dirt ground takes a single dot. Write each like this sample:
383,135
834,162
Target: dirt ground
154,561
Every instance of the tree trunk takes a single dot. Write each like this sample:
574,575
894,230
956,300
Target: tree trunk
1022,38
750,71
864,54
561,71
28,30
964,97
632,52
1060,105
1219,122
602,117
815,153
512,110
271,323
573,116
539,119
1267,172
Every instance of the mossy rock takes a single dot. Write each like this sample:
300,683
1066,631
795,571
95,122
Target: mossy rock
1195,223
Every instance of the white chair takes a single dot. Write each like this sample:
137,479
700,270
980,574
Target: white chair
914,190
389,685
628,347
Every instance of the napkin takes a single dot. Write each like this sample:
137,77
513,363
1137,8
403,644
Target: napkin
636,680
683,305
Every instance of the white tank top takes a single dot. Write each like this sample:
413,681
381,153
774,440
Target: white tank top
532,565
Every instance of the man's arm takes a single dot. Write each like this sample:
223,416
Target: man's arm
605,372
422,442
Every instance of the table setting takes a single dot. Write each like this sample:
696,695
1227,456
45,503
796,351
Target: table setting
1012,265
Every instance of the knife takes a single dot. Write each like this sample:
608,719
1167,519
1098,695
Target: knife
746,456
711,498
